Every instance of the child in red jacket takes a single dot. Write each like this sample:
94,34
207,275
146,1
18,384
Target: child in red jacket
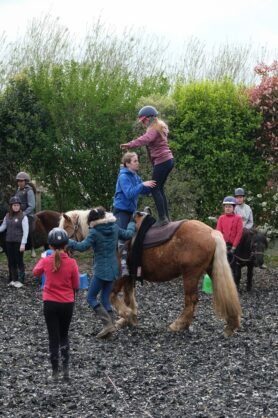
230,224
61,281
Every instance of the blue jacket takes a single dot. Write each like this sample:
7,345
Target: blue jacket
129,186
103,238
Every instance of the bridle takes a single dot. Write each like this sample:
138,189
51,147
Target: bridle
76,226
252,254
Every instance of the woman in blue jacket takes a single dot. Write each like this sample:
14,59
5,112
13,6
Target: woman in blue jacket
129,186
103,237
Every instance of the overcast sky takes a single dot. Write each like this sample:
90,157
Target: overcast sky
212,21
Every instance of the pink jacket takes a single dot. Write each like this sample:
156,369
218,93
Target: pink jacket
158,147
59,285
231,227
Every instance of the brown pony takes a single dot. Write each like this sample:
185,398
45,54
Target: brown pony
194,249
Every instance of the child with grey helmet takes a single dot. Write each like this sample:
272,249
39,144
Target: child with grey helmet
62,279
16,225
243,209
156,140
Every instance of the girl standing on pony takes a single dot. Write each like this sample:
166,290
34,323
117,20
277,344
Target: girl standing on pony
230,225
156,141
16,224
61,282
103,238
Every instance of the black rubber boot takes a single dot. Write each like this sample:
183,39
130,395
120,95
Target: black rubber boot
65,362
108,326
55,369
161,221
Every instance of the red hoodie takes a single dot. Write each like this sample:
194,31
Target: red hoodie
59,285
231,227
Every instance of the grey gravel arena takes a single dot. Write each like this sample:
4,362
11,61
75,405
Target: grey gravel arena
146,371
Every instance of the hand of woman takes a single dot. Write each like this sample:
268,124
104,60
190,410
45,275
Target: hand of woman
124,146
150,183
22,248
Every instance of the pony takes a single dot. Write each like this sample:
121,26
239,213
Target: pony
194,249
45,220
250,253
75,223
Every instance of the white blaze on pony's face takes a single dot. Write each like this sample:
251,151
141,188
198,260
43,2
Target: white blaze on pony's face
75,223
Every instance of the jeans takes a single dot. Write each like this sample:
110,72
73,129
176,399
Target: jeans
123,218
58,318
160,174
104,287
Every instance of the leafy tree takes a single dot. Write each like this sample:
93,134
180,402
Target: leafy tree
21,122
264,98
213,135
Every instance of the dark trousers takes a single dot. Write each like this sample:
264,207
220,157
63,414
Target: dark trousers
15,260
160,174
58,318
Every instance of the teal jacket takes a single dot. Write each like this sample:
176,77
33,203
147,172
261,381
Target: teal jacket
103,238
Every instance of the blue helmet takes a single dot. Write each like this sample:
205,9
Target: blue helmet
147,111
239,191
15,199
229,200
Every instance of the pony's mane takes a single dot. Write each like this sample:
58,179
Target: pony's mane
82,214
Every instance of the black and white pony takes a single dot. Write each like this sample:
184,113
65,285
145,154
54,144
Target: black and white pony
249,253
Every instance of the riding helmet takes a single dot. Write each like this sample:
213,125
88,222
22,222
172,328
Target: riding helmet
58,237
239,191
147,112
23,176
14,199
229,200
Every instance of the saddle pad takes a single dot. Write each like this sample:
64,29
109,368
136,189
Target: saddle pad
157,236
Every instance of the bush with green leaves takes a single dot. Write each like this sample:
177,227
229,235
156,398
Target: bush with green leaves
213,138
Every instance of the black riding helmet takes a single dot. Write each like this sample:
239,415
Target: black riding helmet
14,199
58,237
147,112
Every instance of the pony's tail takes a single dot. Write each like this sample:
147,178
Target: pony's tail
226,300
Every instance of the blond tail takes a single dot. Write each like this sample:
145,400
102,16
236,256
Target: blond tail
226,300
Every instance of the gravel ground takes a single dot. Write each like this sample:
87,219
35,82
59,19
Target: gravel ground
145,371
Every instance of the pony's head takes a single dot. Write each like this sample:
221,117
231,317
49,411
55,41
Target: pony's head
258,247
75,223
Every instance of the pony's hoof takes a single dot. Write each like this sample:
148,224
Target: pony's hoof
228,331
120,323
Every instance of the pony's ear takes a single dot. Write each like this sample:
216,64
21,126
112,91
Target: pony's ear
64,215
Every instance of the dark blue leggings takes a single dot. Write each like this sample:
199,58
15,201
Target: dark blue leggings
104,287
160,174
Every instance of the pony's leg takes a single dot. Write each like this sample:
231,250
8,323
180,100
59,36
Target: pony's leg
130,301
122,309
236,270
190,284
249,276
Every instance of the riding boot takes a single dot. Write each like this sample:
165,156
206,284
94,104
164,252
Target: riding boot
159,203
65,362
55,369
108,326
123,252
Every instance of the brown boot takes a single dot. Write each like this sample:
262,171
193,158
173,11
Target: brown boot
108,326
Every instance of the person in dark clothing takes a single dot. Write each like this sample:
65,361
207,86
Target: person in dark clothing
28,203
62,279
16,224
